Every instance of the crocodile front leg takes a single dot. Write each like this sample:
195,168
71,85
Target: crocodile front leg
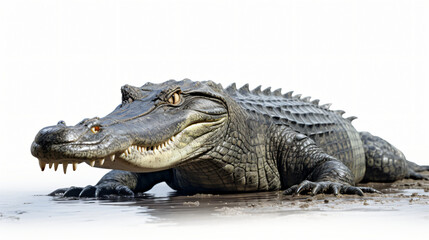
306,168
117,182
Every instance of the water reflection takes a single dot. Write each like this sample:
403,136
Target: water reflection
162,205
173,206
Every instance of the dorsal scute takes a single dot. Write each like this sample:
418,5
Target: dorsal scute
244,89
277,92
340,112
232,89
303,114
306,99
315,102
288,94
257,90
326,106
267,91
297,96
350,119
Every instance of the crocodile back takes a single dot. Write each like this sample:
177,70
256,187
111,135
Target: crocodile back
333,133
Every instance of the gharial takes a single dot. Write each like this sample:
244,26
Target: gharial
199,137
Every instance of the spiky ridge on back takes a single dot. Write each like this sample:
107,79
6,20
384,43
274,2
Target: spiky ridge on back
301,114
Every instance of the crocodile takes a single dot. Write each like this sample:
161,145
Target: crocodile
199,137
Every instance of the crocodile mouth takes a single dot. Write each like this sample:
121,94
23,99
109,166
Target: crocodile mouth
147,158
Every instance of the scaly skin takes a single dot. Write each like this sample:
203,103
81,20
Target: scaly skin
199,137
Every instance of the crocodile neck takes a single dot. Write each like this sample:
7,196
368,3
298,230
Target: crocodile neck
242,161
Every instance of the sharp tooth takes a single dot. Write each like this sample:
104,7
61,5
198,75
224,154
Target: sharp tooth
101,162
92,163
42,165
74,166
112,157
65,164
56,166
50,165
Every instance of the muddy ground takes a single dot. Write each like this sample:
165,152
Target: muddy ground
403,196
163,206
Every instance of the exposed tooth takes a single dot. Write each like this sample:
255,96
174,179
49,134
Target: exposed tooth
56,166
112,157
74,166
101,162
92,163
50,165
65,164
42,165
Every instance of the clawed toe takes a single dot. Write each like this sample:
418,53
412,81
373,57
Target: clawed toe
313,188
98,191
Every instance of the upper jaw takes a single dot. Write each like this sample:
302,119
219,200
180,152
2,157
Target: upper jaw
128,156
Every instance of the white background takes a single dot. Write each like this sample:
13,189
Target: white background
66,60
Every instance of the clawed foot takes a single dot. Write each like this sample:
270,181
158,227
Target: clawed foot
314,188
98,191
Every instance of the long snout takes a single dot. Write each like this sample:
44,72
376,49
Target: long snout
49,140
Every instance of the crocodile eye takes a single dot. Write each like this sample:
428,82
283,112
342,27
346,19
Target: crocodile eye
95,129
174,99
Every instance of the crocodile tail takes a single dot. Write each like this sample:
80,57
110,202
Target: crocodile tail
417,168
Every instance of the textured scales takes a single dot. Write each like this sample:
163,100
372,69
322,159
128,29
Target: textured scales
328,128
200,137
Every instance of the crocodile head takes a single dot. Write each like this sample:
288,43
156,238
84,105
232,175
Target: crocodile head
156,127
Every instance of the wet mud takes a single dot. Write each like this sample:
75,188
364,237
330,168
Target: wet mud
164,206
396,196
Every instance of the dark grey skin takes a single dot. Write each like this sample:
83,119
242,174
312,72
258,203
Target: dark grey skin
200,138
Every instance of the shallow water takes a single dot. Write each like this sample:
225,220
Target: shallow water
403,209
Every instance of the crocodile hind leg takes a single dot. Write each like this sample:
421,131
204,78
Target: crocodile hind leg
385,163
